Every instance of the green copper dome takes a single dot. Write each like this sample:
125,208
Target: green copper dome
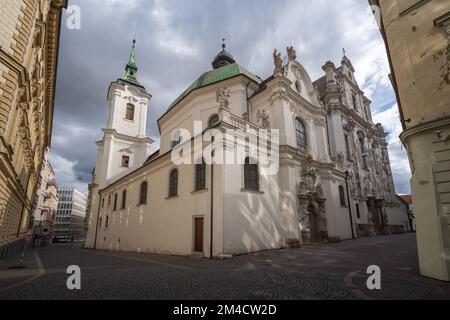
219,74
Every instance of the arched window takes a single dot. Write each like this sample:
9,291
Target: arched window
100,222
176,138
129,115
342,196
115,202
213,120
363,149
107,222
251,179
300,132
173,183
124,198
361,143
143,193
200,176
355,106
347,147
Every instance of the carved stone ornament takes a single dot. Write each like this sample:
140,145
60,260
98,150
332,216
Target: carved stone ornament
319,122
278,94
340,159
223,96
308,175
263,119
311,210
299,112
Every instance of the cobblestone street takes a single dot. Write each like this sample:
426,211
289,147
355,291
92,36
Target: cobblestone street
332,271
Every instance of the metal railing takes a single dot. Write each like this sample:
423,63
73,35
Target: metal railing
10,248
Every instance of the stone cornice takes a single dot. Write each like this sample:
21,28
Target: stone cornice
115,134
354,116
444,21
52,34
429,125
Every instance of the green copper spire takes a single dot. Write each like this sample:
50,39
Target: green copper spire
131,67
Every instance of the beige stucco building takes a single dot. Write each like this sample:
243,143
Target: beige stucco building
29,39
333,181
417,36
45,204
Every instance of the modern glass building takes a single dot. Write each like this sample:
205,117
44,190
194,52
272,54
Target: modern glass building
69,219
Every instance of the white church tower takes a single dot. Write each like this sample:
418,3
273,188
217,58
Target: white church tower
124,146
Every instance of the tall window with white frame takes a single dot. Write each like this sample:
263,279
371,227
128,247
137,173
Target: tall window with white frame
173,183
129,114
347,147
125,161
355,105
300,133
363,150
143,193
251,176
200,176
124,199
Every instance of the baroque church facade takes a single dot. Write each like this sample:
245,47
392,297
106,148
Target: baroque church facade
334,180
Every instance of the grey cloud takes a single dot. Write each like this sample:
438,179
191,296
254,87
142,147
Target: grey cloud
176,41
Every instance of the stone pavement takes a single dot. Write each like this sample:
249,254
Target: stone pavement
331,271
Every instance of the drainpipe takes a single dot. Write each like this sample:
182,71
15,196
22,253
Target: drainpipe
246,96
96,225
212,212
349,206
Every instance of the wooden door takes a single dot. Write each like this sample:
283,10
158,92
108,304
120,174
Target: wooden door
198,241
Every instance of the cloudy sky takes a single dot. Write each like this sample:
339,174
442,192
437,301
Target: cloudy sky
176,41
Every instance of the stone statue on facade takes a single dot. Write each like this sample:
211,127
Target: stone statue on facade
320,192
263,119
292,55
277,61
223,96
309,174
340,159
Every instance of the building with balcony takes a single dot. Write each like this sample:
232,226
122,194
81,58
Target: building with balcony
320,171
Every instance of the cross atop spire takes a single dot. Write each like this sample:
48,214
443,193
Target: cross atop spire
131,66
343,52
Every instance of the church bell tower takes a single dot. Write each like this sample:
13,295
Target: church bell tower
124,146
